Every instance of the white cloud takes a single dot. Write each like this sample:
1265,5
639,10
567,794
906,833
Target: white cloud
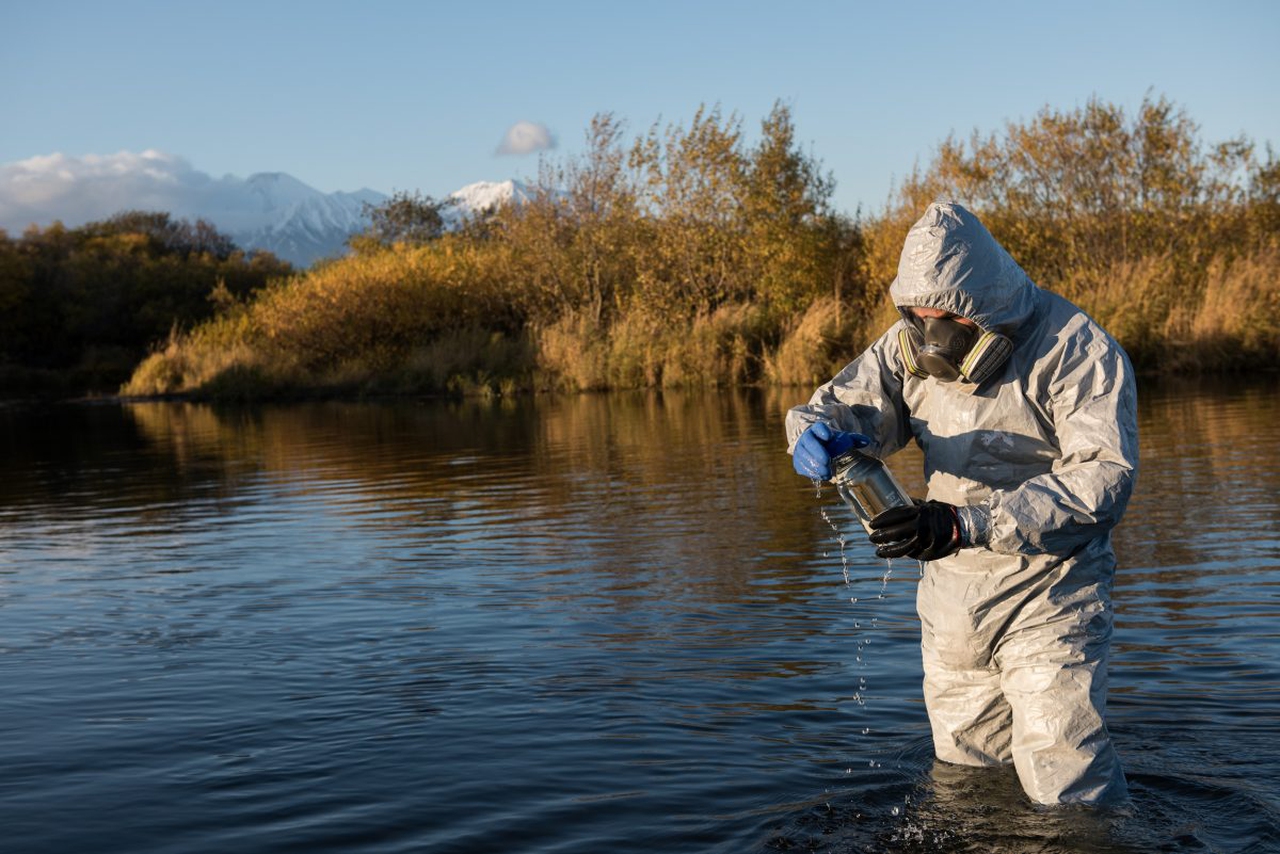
77,190
526,138
267,210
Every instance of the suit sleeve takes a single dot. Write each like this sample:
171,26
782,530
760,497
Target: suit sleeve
1086,491
865,397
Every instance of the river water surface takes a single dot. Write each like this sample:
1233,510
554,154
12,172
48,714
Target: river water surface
591,624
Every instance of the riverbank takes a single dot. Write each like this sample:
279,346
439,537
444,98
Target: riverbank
691,258
326,334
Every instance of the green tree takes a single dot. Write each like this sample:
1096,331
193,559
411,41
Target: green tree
408,218
795,242
92,299
692,185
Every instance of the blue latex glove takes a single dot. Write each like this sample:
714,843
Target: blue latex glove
819,445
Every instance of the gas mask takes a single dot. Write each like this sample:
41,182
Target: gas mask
942,348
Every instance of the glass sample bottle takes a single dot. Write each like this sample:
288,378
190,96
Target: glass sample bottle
867,486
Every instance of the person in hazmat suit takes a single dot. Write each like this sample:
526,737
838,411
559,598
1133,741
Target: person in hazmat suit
1025,409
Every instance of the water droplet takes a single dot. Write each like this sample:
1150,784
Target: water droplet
866,729
896,810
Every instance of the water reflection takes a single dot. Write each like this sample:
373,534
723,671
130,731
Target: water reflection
597,623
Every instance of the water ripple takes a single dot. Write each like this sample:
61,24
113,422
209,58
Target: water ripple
599,624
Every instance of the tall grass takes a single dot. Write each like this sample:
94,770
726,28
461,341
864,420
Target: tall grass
1235,324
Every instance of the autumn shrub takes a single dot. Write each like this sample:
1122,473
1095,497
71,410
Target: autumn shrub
84,304
723,347
642,350
822,340
573,352
410,312
696,256
1158,235
1234,326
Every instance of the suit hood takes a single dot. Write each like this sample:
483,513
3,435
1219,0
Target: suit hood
951,262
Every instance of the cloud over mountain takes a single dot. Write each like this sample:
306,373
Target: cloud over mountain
77,190
526,138
268,210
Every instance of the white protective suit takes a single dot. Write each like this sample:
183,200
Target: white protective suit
1040,458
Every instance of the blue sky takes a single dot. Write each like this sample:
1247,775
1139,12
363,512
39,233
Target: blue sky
418,96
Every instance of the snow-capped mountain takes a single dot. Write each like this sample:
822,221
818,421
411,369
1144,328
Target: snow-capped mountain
269,210
293,220
483,196
301,224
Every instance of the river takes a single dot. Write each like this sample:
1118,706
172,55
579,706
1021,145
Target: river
596,624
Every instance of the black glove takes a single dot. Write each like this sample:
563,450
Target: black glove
925,531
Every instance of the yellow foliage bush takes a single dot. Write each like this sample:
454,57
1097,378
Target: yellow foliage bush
691,259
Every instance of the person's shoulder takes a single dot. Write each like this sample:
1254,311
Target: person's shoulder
1072,344
1069,323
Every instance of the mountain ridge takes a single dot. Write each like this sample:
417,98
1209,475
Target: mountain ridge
270,210
309,226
